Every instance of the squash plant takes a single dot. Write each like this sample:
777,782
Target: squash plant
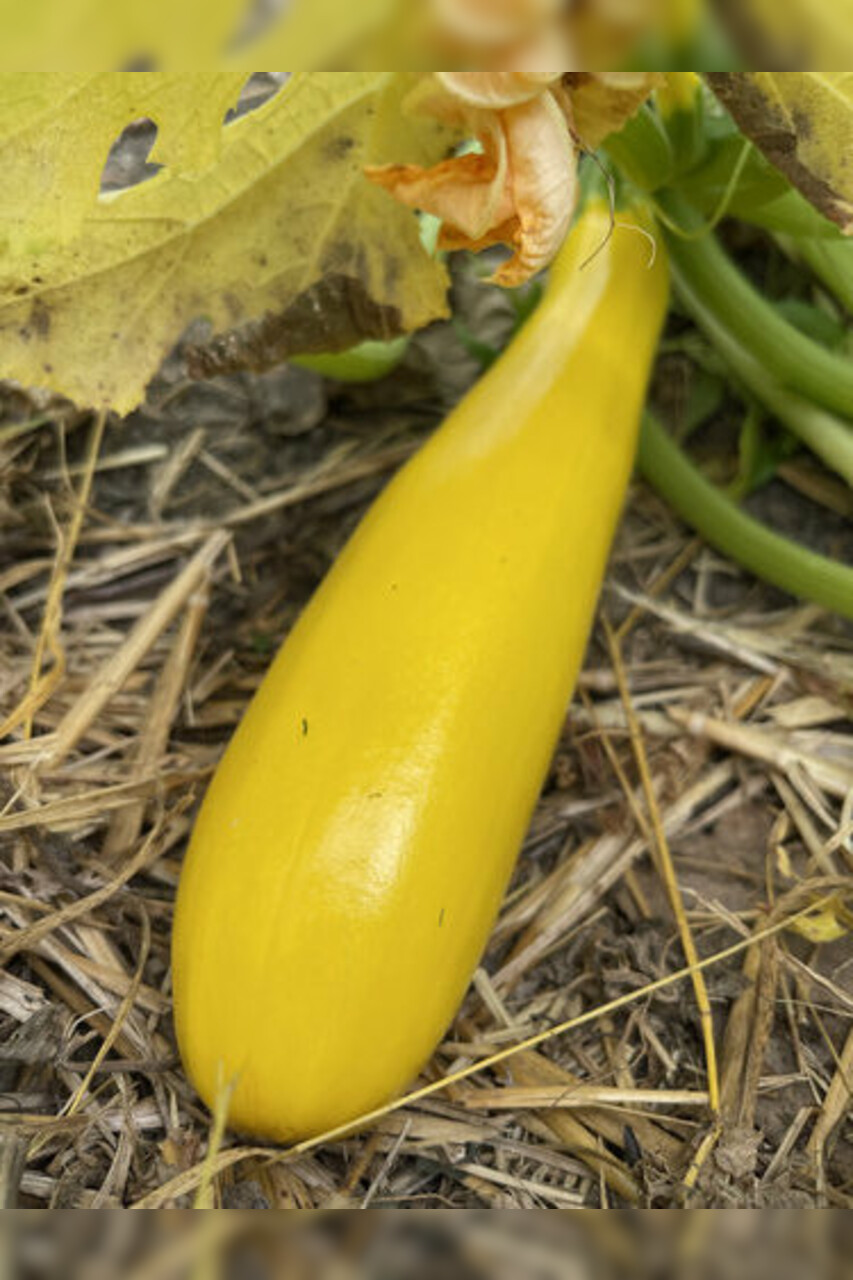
352,850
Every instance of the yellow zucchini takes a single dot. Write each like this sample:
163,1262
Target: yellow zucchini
351,853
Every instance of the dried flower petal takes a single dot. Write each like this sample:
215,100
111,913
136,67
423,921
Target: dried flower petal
543,184
465,192
519,191
522,188
601,101
496,89
490,22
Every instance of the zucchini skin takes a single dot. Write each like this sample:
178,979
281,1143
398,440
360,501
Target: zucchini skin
354,845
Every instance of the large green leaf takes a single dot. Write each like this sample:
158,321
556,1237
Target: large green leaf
762,195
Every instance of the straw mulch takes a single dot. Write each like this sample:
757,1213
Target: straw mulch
700,802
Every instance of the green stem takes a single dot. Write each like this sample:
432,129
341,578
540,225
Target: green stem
830,260
681,107
792,358
826,435
367,362
724,525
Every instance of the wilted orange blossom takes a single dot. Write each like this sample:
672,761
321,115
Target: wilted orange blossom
520,188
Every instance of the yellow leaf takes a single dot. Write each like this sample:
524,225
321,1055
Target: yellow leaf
80,35
56,130
320,33
76,35
282,225
804,33
803,122
825,925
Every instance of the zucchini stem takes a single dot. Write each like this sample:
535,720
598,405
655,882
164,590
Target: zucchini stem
831,438
708,510
794,360
830,260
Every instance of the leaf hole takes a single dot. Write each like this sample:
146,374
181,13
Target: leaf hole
258,19
259,87
127,162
